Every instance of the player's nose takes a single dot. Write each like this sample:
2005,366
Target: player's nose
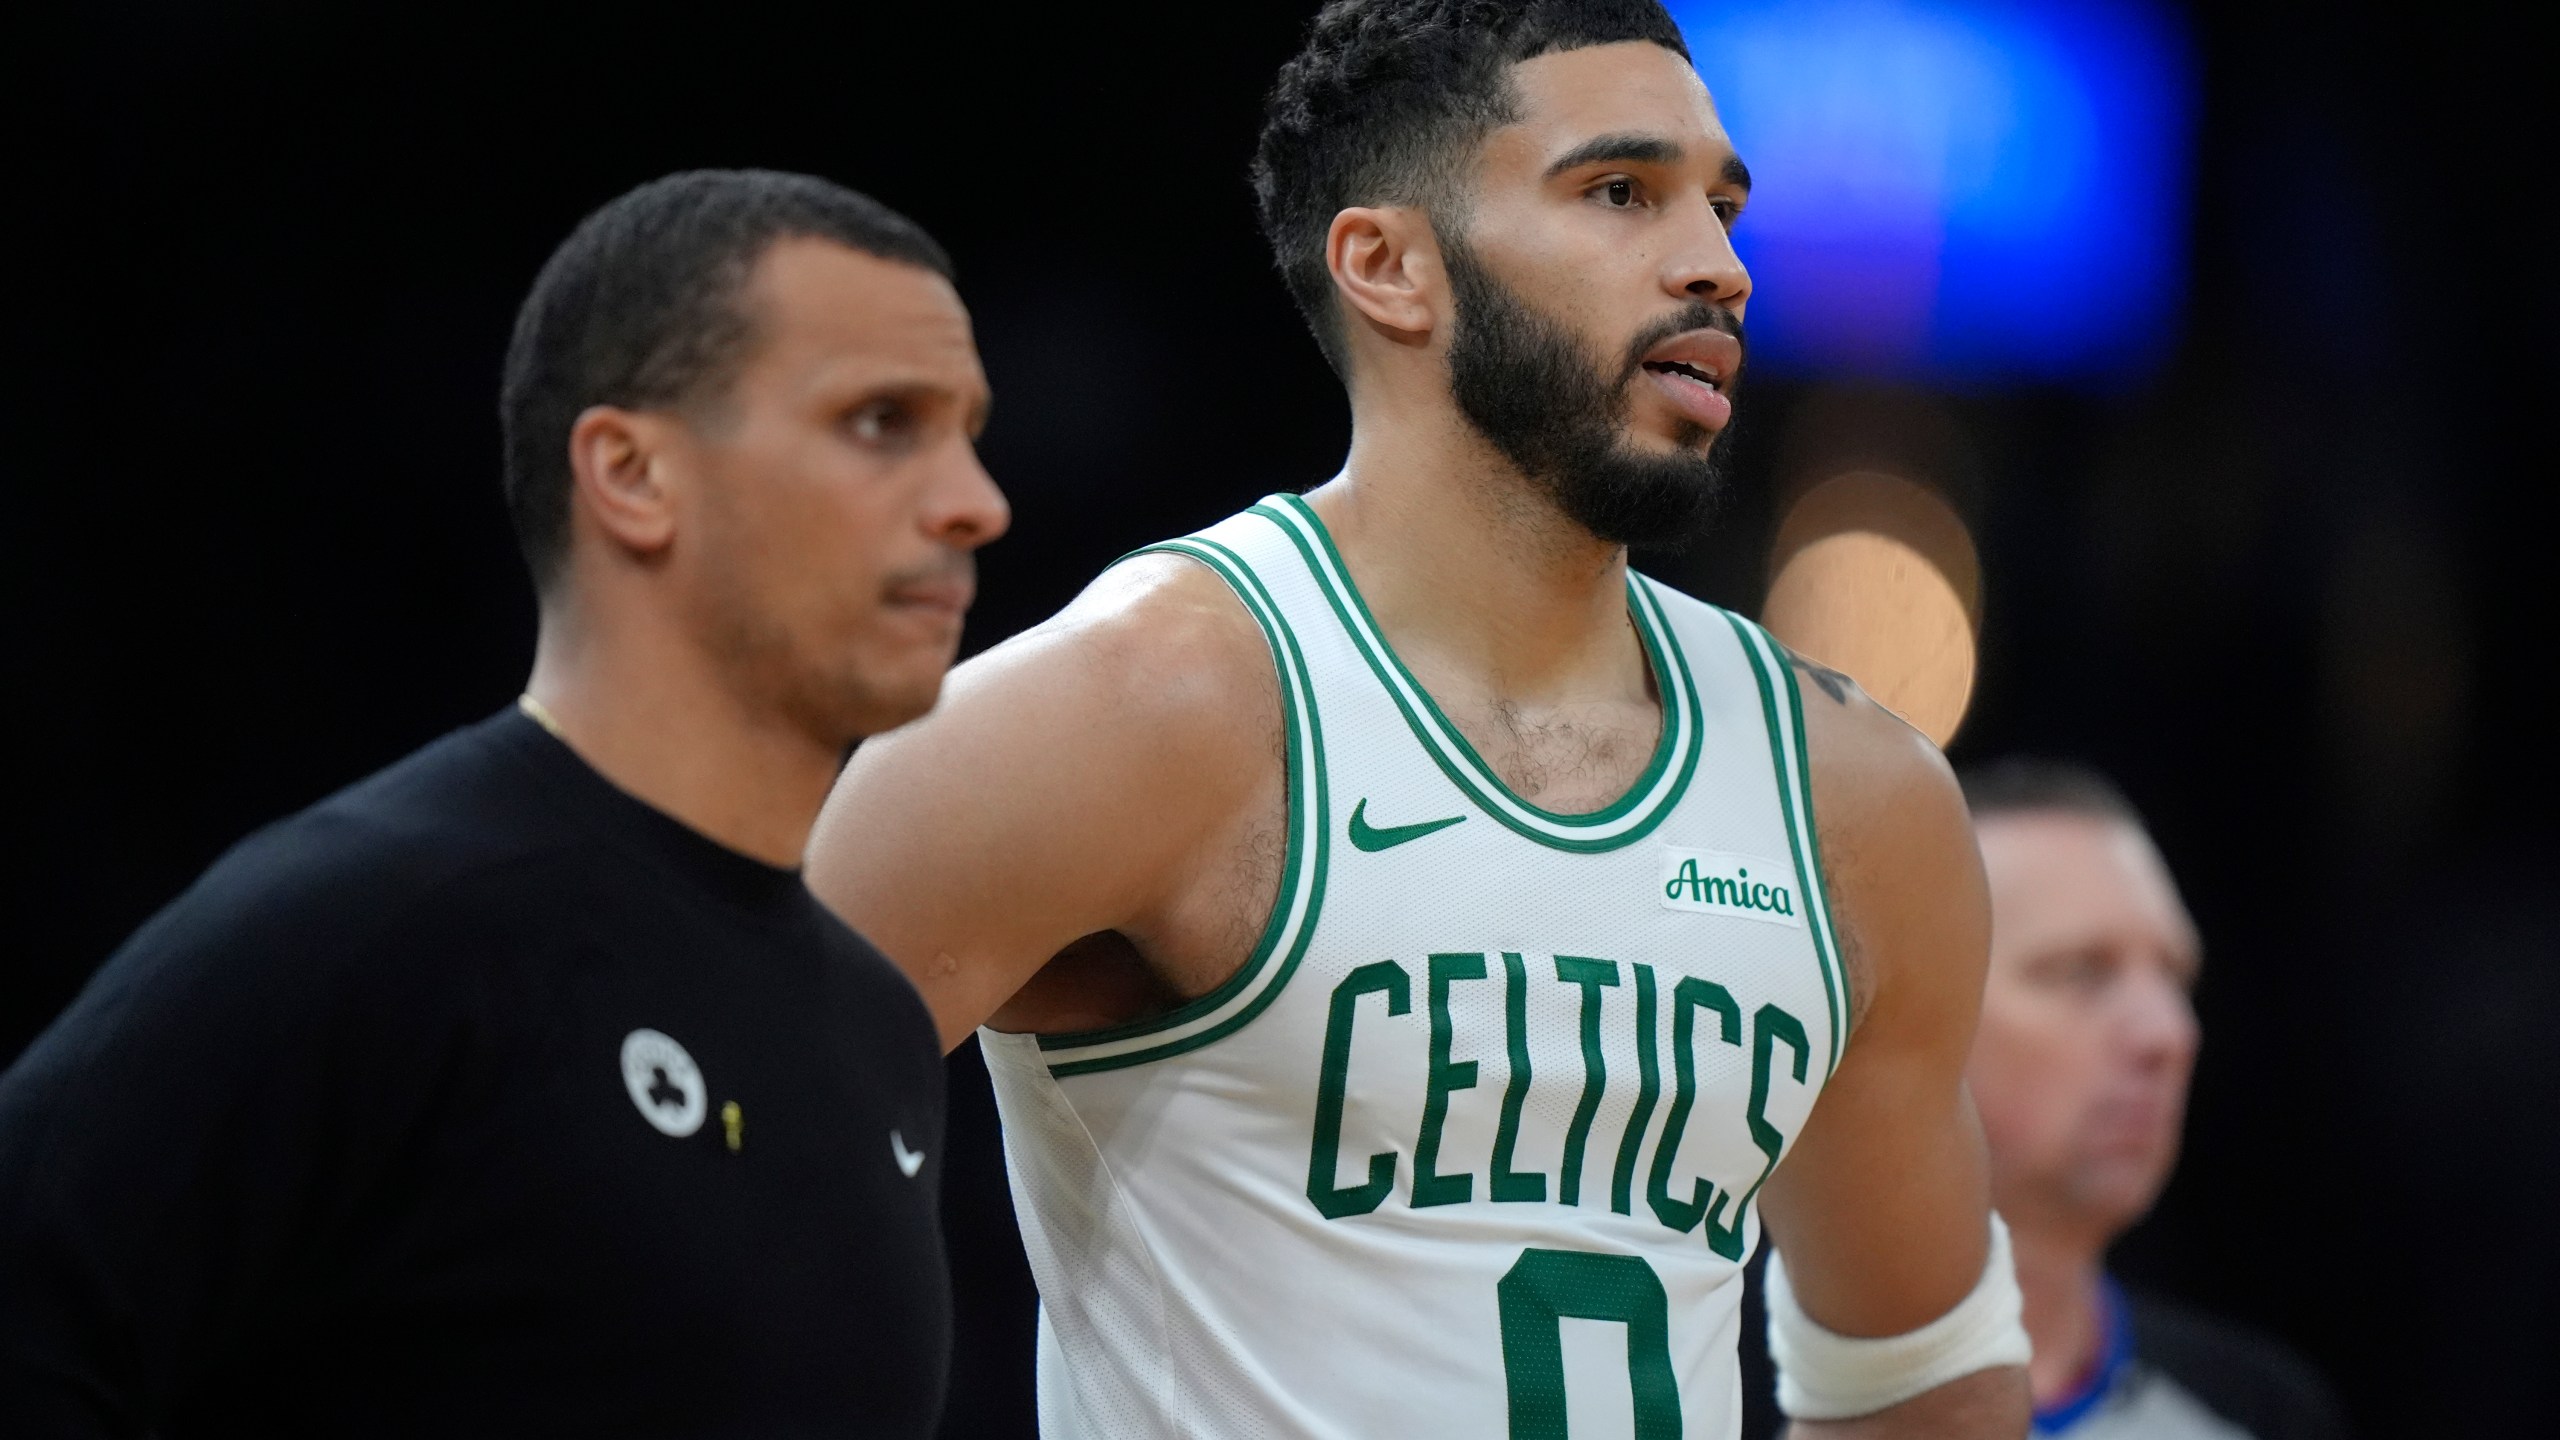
1705,265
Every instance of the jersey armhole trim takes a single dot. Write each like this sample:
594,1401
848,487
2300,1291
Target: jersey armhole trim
1292,922
1787,753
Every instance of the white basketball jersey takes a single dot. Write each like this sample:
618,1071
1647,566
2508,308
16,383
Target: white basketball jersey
1469,1145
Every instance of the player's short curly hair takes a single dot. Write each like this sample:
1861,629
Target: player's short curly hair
1386,105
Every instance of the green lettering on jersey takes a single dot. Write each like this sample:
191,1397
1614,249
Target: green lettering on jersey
1703,889
1769,1024
1324,1160
1590,975
1648,1090
1687,998
1508,1184
1542,1288
1429,1186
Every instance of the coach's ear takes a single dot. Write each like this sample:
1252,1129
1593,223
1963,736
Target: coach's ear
618,467
1386,262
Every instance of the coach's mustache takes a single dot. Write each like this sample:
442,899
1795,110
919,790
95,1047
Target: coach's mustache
947,583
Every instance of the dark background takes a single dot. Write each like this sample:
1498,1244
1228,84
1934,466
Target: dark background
2294,590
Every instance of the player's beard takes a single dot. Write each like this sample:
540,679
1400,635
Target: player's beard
1540,397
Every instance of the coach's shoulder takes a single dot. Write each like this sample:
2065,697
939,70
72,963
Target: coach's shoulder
312,938
380,876
444,819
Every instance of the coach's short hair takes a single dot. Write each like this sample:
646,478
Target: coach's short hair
1387,103
2019,784
639,308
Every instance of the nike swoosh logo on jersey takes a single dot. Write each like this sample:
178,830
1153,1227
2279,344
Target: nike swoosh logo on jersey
1366,836
909,1161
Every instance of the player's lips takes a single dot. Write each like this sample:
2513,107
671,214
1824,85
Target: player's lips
1695,371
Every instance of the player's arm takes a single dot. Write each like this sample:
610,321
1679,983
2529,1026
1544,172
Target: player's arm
1075,780
1881,1214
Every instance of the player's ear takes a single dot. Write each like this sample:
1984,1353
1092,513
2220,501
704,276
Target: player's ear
1386,264
618,465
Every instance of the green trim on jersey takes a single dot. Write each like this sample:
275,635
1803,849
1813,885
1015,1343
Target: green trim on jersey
1293,911
1795,801
1632,817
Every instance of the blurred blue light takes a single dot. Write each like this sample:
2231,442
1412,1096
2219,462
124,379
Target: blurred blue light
1964,192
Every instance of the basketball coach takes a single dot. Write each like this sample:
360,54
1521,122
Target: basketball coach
522,1088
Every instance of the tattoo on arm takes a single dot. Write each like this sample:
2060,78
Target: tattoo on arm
1833,683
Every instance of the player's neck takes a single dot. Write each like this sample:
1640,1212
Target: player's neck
645,707
1458,554
2059,1280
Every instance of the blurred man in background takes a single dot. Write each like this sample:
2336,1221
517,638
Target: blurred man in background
523,1088
2080,1070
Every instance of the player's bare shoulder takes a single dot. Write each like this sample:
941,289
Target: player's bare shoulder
1897,845
1156,667
1079,778
1169,620
1868,761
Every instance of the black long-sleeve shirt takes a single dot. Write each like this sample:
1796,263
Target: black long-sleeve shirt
478,1099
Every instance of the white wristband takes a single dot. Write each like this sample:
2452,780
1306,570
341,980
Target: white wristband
1827,1376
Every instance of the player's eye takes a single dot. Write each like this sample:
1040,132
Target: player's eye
1727,211
1619,194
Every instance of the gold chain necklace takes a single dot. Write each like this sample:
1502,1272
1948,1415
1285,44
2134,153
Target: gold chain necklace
540,716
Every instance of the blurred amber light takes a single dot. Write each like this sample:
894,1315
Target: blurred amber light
1876,577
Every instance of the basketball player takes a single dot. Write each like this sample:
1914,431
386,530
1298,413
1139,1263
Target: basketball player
1409,942
523,1088
2081,1067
